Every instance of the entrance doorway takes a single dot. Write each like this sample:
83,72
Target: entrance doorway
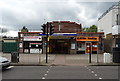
59,46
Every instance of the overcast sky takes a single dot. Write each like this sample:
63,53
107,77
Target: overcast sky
14,14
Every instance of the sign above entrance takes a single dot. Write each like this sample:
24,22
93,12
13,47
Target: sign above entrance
63,34
87,38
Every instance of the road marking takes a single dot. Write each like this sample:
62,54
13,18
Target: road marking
100,78
95,74
89,69
92,72
43,77
47,71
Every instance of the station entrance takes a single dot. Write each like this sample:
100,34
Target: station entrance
59,46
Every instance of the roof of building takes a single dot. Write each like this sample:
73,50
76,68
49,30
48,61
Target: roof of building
29,32
107,11
91,32
65,22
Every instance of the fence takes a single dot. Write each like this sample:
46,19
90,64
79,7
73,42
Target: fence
40,59
31,59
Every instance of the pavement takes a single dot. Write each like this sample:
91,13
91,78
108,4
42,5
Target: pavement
60,60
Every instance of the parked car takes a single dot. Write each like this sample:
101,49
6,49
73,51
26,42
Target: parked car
4,63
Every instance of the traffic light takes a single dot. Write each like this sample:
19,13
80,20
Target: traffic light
51,29
43,29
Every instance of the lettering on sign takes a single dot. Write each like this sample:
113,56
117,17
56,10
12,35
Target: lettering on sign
87,38
32,38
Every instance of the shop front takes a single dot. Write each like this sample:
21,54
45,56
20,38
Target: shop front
31,44
87,44
61,43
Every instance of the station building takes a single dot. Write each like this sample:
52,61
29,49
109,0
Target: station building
68,38
63,40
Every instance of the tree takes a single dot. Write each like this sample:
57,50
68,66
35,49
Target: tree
92,28
85,30
24,29
3,32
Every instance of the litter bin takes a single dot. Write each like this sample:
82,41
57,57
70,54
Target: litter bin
116,55
15,57
107,58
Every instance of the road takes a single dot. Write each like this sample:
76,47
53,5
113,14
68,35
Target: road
61,72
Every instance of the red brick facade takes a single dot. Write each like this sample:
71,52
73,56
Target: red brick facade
66,27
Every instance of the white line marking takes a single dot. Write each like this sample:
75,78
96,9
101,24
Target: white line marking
92,72
47,71
100,78
45,74
89,69
43,77
95,74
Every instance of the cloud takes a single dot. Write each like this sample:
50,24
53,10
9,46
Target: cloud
32,13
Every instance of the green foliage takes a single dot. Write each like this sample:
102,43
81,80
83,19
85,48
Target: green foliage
24,29
92,28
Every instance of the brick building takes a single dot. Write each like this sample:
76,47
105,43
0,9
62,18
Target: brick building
66,27
63,40
29,42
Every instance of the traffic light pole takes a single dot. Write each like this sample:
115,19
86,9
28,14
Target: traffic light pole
47,43
45,32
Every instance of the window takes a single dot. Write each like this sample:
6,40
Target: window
21,35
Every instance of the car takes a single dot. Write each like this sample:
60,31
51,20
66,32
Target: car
4,63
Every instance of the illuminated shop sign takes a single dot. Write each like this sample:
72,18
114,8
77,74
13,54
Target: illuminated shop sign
87,38
32,38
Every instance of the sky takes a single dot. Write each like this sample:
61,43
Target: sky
14,14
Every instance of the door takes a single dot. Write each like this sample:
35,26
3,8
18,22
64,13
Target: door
59,46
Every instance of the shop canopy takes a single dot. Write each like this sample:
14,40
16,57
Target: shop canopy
62,34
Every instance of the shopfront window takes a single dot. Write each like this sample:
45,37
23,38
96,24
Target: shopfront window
80,46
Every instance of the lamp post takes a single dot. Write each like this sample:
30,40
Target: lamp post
90,50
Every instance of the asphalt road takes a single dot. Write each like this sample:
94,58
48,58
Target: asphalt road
61,72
